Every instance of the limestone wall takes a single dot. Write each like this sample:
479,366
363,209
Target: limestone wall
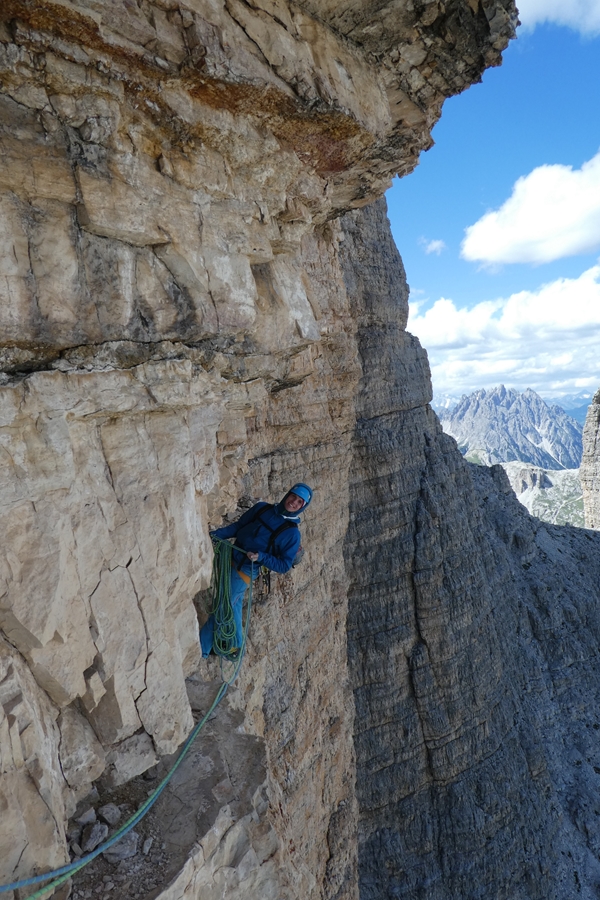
200,304
589,471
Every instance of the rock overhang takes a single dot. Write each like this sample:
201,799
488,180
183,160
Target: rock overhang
352,92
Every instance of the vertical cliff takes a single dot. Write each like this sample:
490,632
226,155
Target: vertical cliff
473,634
197,310
589,471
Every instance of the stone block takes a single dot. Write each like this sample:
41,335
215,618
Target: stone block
125,848
82,756
93,835
109,813
129,758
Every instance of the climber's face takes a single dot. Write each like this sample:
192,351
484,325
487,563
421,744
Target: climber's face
293,503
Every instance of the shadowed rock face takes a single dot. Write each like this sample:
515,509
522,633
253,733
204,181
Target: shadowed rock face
472,642
590,465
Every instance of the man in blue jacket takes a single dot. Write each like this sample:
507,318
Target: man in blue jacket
266,535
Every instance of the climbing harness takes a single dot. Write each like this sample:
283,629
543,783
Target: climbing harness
275,532
59,876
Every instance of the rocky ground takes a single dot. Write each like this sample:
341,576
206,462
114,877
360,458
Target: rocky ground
551,495
213,811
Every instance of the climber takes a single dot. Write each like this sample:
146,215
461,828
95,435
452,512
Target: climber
266,535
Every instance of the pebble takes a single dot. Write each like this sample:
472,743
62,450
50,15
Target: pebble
147,844
76,848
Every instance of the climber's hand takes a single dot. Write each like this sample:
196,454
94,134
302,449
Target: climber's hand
251,555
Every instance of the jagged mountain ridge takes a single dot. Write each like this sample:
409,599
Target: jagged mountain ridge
502,425
578,413
443,401
576,405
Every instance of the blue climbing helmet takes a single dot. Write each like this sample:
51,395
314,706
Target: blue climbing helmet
300,490
303,491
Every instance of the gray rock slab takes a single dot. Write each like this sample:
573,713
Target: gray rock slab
93,835
109,813
123,849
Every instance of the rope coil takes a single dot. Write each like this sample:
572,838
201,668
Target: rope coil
60,876
224,637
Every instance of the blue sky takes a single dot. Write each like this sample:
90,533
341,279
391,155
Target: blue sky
517,162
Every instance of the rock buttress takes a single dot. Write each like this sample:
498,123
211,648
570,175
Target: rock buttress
589,471
473,642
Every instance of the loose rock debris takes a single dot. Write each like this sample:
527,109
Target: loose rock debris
224,767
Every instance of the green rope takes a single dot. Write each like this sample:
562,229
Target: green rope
222,565
224,636
145,807
43,892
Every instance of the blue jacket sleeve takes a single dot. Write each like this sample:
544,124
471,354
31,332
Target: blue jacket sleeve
229,531
286,547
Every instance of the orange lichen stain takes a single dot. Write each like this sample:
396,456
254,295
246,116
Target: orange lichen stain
50,21
65,23
326,139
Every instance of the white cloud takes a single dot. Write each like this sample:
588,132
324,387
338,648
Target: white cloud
432,246
547,339
581,15
552,212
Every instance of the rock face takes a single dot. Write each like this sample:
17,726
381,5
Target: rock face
185,321
551,495
502,425
590,465
474,672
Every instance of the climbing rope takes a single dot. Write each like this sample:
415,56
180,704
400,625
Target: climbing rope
59,876
224,636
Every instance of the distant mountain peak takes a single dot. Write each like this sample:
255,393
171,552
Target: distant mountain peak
501,424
